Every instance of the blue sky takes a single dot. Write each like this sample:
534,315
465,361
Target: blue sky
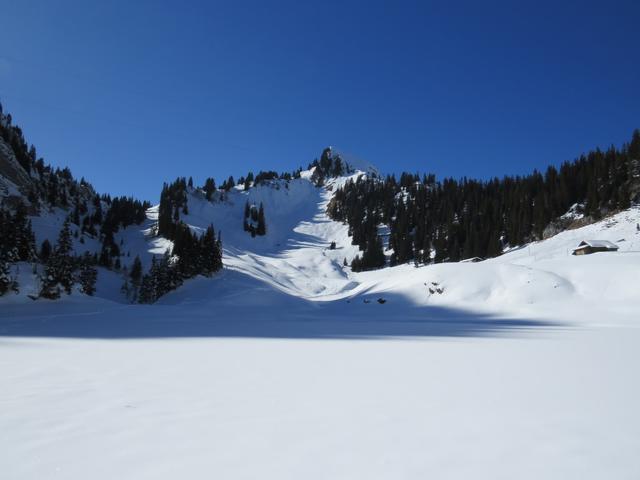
131,94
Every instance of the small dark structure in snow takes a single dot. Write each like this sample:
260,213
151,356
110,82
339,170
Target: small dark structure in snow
472,260
592,246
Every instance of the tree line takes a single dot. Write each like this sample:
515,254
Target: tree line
192,253
450,220
44,188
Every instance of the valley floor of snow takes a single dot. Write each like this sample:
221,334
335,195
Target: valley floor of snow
286,366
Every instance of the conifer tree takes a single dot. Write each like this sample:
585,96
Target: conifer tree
210,253
248,181
247,213
5,276
147,293
58,272
262,226
209,188
135,274
88,276
147,289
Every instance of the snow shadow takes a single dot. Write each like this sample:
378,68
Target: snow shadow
256,314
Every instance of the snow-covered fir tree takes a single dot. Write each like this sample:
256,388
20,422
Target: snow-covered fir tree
58,273
88,276
5,276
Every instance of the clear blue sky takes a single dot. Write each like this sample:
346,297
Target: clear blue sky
130,94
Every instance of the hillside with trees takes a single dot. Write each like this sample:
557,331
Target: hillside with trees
424,220
450,220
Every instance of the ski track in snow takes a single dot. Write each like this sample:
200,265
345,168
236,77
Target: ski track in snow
284,365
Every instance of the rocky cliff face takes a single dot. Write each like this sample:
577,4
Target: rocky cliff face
15,183
12,175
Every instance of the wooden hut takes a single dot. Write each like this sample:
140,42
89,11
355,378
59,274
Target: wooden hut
587,247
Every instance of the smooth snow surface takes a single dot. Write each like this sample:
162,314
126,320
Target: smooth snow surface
285,365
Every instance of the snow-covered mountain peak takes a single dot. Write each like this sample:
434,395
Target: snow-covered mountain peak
354,162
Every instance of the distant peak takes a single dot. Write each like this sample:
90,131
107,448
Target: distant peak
354,162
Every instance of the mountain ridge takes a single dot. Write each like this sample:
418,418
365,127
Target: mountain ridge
303,252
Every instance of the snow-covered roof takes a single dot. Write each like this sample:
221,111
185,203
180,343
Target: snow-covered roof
597,244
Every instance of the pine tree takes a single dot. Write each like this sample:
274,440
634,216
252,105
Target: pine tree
59,269
167,276
262,227
45,251
65,241
50,285
135,274
210,253
209,188
24,238
88,276
5,276
248,181
147,293
356,264
373,256
247,213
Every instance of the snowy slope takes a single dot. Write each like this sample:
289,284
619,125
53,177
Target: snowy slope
133,240
541,279
294,255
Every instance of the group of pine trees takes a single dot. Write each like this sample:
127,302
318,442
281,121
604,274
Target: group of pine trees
457,219
191,255
43,188
173,202
254,221
17,243
62,269
133,279
197,254
212,192
372,256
